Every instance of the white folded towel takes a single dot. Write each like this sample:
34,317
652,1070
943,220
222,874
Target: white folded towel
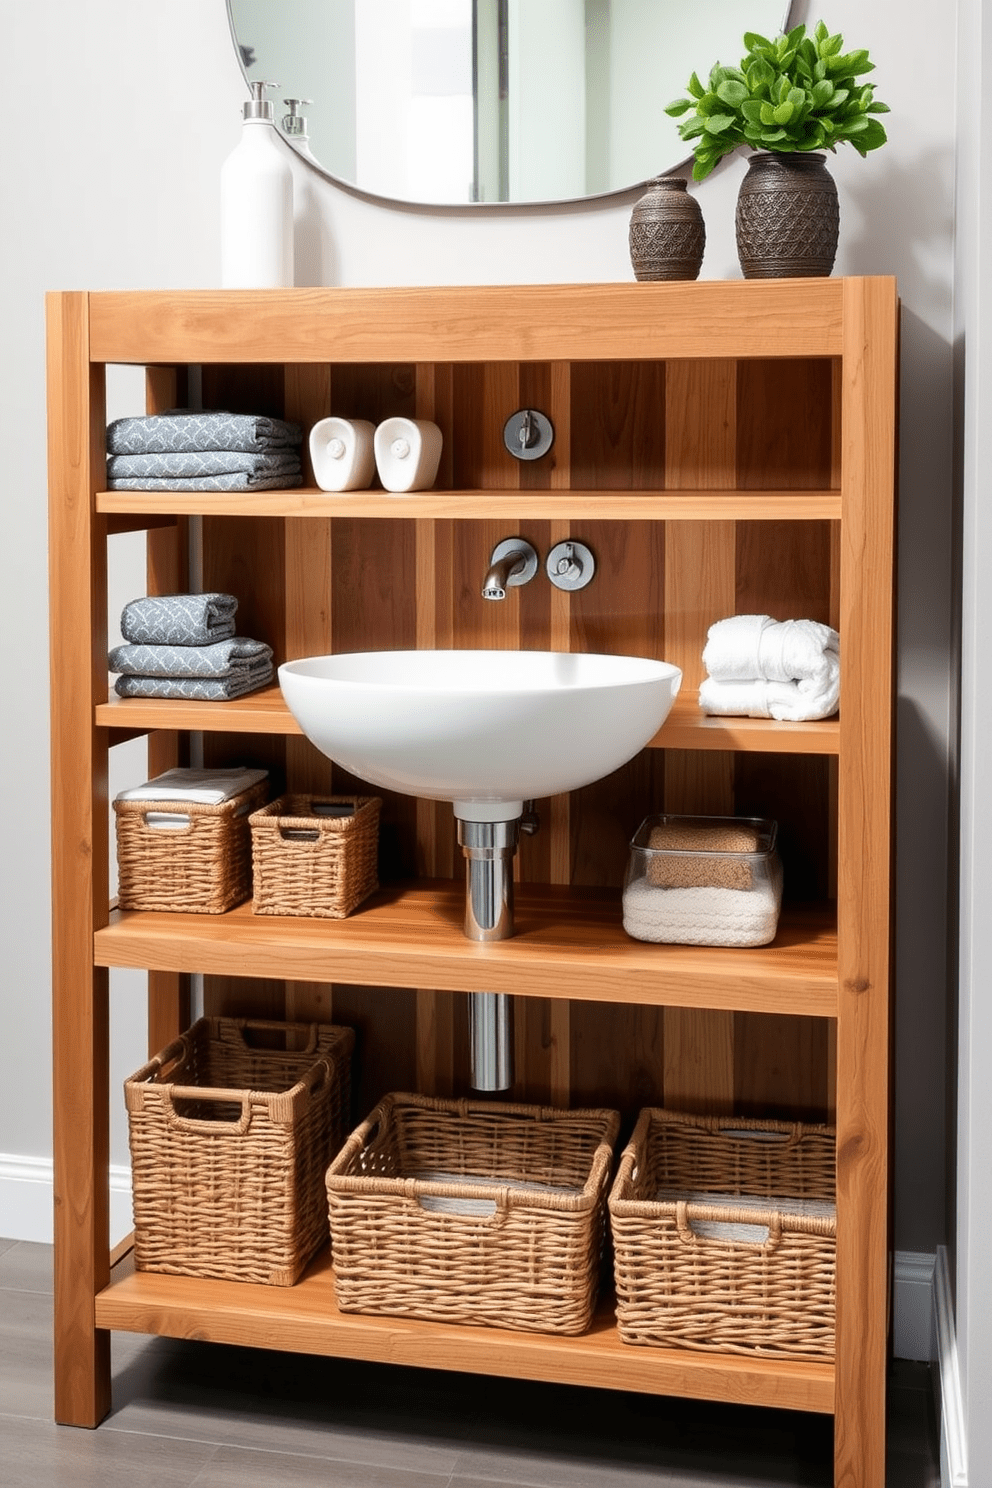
746,648
765,668
209,787
789,702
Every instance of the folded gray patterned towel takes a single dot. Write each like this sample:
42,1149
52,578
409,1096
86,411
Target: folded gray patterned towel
197,689
179,619
221,659
208,483
197,465
180,430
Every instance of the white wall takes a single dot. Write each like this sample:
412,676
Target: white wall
973,327
113,177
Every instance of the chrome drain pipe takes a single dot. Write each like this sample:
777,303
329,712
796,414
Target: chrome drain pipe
490,1027
489,848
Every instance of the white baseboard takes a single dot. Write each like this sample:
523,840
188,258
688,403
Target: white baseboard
26,1189
953,1439
912,1305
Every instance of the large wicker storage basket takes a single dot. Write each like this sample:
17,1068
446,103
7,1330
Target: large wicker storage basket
231,1130
472,1212
200,867
305,863
724,1235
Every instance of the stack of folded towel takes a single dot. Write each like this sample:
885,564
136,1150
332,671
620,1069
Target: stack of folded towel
764,668
183,451
185,646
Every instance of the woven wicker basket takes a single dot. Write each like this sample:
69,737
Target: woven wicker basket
308,864
724,1236
472,1212
203,867
231,1130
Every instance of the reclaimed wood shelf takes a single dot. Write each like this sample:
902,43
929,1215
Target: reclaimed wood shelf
411,935
265,712
476,505
305,1319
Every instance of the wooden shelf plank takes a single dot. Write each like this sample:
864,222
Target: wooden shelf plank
305,1319
570,943
473,505
262,712
479,323
265,712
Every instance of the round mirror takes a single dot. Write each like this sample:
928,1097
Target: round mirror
447,102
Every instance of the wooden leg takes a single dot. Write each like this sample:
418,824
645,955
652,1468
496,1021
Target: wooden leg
82,1198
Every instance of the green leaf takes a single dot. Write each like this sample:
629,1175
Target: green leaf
678,107
856,125
751,109
820,70
831,45
878,108
701,169
717,123
873,136
797,97
708,104
760,75
821,32
695,87
732,92
753,132
766,114
784,112
840,97
823,92
772,136
795,36
753,41
694,127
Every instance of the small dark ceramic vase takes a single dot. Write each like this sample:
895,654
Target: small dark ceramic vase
667,235
788,217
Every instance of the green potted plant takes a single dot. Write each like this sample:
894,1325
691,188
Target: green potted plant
789,99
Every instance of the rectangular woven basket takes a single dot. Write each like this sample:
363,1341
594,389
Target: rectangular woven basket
231,1130
200,867
724,1235
308,864
472,1212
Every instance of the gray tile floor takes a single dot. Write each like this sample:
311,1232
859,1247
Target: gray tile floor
197,1415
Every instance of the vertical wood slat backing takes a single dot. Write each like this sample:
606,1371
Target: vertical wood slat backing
398,583
700,573
166,573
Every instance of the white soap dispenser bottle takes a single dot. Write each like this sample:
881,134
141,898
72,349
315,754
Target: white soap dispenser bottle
256,204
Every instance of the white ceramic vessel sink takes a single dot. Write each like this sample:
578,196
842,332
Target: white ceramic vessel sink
486,730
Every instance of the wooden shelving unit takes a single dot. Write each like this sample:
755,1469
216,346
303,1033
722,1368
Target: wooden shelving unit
723,448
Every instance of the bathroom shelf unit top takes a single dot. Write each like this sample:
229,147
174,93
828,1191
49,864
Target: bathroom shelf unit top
723,446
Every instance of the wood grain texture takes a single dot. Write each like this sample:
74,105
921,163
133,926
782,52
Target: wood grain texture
305,1318
573,322
568,941
864,902
80,890
700,585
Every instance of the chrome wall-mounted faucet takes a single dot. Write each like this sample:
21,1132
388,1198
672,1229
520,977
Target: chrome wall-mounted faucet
513,562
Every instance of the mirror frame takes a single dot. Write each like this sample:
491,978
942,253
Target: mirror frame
682,167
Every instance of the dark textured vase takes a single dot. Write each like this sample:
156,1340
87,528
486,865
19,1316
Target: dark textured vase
788,217
667,236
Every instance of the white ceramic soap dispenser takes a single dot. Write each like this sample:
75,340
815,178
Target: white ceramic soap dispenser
256,204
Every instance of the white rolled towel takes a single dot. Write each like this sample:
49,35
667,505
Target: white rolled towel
751,648
789,702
